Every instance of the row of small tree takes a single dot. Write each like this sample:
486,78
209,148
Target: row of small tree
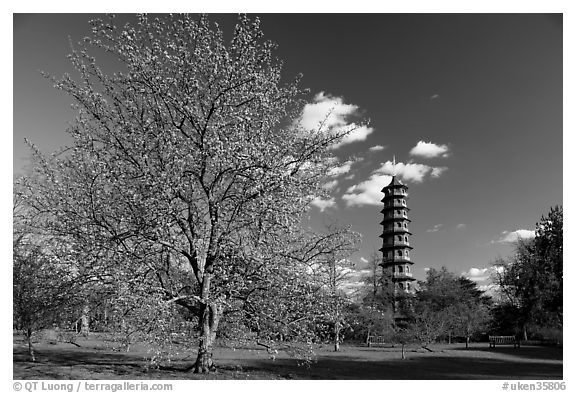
312,308
445,306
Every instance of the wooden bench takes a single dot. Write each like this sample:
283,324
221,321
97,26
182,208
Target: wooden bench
503,340
376,340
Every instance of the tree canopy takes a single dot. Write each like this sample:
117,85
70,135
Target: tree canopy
188,166
531,281
446,305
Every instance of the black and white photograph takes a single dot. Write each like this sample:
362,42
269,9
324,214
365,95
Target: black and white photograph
287,196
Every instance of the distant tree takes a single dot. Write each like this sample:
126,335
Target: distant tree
446,304
440,290
334,274
312,298
193,148
532,279
427,324
472,313
44,284
377,298
371,280
404,334
430,312
363,321
338,275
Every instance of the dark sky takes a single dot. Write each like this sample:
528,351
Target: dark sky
485,87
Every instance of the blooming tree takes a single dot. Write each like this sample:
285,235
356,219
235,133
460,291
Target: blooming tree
45,283
188,165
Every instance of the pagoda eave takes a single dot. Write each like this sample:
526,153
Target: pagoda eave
399,231
398,246
394,219
400,261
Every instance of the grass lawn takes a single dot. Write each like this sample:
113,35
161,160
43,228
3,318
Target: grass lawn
94,361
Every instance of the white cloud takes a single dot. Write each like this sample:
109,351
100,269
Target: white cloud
326,109
482,274
437,171
358,134
513,237
340,170
435,228
477,274
429,150
377,148
411,171
330,185
461,226
323,204
330,114
369,192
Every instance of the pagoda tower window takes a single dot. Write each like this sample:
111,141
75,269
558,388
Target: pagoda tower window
400,270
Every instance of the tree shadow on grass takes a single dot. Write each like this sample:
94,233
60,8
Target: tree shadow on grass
51,361
418,368
360,364
528,352
72,357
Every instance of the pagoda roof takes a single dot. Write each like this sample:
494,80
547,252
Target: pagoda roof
395,182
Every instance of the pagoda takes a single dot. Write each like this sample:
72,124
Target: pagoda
396,239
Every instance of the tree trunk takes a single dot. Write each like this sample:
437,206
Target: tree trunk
337,336
211,314
368,334
467,341
525,333
85,321
30,347
403,354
